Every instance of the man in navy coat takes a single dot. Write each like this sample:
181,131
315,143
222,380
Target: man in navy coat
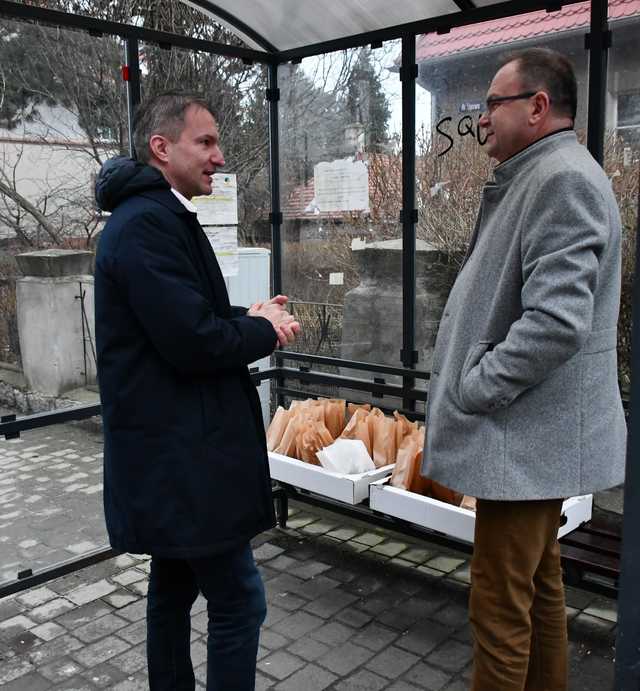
186,472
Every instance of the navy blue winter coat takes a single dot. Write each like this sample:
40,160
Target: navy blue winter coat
186,472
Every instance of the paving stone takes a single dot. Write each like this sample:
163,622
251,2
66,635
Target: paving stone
299,522
332,633
100,651
345,658
427,677
280,664
363,680
318,528
104,676
389,548
308,648
580,599
129,576
445,564
284,563
120,598
430,572
408,612
36,596
23,642
51,610
13,669
402,686
353,617
99,628
79,616
298,624
369,539
263,682
28,682
134,611
458,685
137,682
48,631
416,555
375,637
59,646
392,662
451,615
90,592
451,656
422,637
266,551
272,640
131,660
274,615
309,570
315,587
15,625
311,678
140,587
60,670
603,609
331,603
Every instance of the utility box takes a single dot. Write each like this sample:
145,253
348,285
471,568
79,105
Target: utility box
253,284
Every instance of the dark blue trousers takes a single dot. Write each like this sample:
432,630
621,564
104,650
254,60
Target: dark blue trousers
236,605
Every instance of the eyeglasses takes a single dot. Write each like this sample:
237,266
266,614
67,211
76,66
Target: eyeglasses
494,101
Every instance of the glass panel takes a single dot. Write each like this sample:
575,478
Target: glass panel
237,93
455,71
341,178
51,497
57,125
622,158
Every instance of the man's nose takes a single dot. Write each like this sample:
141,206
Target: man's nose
484,119
218,158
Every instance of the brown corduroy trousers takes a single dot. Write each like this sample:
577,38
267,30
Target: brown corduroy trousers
516,608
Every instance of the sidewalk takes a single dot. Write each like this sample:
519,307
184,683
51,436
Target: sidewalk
350,607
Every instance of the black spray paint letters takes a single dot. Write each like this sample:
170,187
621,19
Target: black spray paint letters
466,127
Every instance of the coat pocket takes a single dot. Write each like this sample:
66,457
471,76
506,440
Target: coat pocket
475,354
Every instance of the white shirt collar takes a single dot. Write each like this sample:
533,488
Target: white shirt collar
185,202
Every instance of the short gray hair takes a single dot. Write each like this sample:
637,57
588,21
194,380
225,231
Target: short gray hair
163,114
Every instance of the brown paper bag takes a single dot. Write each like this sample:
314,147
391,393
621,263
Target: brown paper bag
334,416
442,493
277,427
468,503
287,445
352,407
311,437
383,439
403,427
406,473
358,428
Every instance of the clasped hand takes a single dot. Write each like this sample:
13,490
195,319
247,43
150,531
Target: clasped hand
275,311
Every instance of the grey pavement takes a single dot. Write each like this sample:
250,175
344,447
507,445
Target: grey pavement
351,606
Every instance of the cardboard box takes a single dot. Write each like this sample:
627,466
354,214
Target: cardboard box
452,520
350,489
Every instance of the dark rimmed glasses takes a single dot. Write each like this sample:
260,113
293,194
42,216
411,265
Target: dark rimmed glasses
494,101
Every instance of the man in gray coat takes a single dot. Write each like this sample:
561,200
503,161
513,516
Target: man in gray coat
524,408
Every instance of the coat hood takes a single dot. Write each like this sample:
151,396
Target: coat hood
122,177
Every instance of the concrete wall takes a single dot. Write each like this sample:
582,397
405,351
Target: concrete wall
50,322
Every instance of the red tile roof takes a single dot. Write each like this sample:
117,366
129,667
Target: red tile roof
519,28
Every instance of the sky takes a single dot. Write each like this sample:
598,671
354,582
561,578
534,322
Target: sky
323,70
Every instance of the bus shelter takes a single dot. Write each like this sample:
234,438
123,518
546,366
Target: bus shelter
351,134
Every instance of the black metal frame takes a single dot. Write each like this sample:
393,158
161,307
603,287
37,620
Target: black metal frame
598,42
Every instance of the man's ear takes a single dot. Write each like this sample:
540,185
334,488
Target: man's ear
541,107
159,147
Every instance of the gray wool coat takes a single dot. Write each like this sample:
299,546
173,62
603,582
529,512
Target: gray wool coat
524,400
